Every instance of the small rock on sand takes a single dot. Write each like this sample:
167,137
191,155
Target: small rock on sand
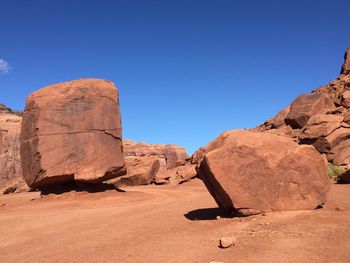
226,242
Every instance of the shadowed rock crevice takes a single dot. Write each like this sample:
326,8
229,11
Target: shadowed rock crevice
61,188
209,214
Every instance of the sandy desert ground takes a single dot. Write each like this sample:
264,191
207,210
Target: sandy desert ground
166,224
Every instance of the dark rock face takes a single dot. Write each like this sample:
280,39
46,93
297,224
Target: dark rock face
252,173
72,131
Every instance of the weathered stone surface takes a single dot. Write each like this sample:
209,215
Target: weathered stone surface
140,171
251,173
321,125
346,66
173,162
170,152
72,131
10,160
346,99
338,136
347,117
226,242
178,174
306,106
341,153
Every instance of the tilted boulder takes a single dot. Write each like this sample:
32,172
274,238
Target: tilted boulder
251,173
72,131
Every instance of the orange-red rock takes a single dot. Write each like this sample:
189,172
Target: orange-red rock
72,131
251,173
140,171
172,161
171,153
10,160
306,106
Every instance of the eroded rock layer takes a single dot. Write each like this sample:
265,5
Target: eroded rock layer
10,160
155,163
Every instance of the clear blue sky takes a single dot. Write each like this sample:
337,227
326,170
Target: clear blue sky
186,70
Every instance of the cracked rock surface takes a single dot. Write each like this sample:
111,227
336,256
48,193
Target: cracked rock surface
251,173
72,131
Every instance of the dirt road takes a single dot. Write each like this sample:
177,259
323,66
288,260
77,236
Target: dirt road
166,224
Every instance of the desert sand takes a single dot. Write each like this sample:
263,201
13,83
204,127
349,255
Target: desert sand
167,223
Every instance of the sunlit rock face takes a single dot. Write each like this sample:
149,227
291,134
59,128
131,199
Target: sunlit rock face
72,132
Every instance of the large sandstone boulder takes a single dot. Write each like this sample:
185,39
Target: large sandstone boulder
251,173
306,106
72,131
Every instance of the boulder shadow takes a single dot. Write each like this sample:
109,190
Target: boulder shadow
208,214
78,187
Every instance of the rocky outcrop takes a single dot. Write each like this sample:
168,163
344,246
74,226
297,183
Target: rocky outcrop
72,132
345,69
140,171
321,119
251,173
170,153
10,160
306,106
155,163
